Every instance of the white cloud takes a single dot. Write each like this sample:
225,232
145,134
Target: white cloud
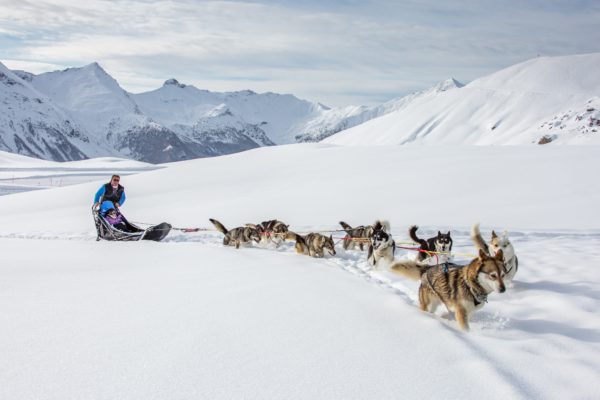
333,52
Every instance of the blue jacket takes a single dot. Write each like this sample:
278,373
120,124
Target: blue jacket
107,205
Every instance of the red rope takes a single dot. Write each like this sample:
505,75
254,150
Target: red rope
437,260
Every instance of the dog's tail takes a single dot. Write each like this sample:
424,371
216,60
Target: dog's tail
219,226
412,232
381,224
409,268
478,239
347,228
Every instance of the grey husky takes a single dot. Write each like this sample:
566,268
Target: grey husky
313,244
511,262
462,289
356,237
381,245
272,231
243,235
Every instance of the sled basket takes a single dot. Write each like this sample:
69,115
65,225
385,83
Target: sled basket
106,231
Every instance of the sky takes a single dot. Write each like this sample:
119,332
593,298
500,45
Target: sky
339,53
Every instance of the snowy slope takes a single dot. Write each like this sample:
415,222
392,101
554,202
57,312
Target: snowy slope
315,184
190,319
21,174
337,120
512,106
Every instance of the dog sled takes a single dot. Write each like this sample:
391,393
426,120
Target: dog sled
106,231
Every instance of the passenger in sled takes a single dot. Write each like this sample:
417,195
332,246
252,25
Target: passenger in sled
117,221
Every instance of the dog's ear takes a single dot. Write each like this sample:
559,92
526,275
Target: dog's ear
494,235
482,255
499,255
439,233
448,233
505,235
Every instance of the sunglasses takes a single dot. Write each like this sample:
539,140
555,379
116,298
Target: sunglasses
116,180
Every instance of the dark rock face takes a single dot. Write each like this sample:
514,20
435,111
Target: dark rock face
39,140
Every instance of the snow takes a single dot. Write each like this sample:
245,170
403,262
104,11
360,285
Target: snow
188,318
21,174
507,107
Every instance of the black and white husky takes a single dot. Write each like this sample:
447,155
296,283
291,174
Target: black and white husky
381,246
441,243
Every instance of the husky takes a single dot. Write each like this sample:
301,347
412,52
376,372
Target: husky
237,236
273,231
313,244
442,243
381,246
463,289
511,262
362,233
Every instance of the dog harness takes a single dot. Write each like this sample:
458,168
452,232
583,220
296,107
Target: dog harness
478,298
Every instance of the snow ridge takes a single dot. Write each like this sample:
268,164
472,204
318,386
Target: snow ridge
517,105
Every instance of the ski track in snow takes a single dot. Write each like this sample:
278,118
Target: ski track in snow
536,251
354,262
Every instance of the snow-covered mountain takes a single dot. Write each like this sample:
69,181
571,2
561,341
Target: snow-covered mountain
335,120
83,112
543,100
174,122
30,123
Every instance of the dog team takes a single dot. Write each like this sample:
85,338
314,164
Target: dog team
462,289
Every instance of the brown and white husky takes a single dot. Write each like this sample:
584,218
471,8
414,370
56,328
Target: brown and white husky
463,289
313,244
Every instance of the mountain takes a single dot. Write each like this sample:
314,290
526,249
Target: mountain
172,123
543,100
336,120
110,114
83,112
30,124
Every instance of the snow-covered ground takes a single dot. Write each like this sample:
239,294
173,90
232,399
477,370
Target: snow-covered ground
190,319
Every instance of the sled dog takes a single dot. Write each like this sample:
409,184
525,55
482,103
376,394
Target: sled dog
511,262
381,246
243,235
463,289
313,244
440,243
362,233
272,231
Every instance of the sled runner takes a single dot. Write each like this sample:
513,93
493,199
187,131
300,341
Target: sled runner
106,231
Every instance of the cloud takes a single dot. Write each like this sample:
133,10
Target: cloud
333,52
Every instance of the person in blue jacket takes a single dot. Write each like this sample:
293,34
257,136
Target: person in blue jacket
110,195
